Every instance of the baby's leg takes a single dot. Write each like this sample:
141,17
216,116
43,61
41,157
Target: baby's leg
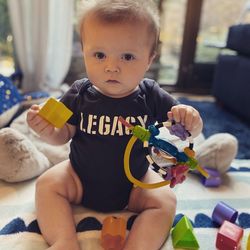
156,208
55,190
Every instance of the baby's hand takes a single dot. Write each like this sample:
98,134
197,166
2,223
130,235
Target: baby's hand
188,116
37,123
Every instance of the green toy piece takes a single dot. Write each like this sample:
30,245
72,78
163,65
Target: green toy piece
183,236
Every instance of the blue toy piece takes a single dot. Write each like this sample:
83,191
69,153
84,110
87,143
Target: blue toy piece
168,148
164,145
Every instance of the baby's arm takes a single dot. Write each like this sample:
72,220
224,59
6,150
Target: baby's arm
47,131
188,117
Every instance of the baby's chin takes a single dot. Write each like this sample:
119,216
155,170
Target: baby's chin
122,94
116,94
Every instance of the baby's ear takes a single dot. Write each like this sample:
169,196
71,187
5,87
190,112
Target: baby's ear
151,59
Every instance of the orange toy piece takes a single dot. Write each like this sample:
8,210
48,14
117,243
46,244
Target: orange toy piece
113,233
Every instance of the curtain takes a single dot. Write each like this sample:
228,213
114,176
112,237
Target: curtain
43,34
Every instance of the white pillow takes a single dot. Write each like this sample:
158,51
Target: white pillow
6,117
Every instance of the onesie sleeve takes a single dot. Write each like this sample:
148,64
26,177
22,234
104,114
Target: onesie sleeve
159,100
70,99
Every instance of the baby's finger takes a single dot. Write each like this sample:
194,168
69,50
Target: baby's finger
31,115
46,130
170,115
196,121
175,113
37,120
32,112
182,114
35,107
189,119
39,124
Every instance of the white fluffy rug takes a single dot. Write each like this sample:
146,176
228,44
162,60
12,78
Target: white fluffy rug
18,221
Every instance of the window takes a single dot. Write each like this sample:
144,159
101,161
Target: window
6,41
77,69
172,26
216,18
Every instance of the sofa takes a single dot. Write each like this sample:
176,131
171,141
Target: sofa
231,83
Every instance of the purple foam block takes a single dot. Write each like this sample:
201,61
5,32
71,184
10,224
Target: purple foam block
224,212
214,179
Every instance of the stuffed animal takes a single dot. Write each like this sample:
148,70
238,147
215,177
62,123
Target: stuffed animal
10,100
23,155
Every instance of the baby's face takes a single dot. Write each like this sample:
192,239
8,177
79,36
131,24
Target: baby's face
116,55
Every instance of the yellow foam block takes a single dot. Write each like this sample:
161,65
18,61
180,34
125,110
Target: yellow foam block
55,112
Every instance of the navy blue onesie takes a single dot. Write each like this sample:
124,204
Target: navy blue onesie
98,147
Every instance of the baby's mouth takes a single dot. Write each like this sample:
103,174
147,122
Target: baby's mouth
112,81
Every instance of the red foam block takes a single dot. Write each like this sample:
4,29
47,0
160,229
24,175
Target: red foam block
229,236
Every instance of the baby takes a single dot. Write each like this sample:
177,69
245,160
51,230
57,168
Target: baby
119,42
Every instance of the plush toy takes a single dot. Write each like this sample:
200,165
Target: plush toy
10,100
23,155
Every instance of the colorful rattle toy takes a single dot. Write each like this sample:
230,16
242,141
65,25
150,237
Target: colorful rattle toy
182,161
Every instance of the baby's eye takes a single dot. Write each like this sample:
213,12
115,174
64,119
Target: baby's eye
100,55
128,57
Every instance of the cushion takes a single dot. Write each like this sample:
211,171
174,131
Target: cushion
238,39
10,100
231,84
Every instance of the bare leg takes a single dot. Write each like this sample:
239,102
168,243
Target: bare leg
156,208
55,190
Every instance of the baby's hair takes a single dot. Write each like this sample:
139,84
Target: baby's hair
124,11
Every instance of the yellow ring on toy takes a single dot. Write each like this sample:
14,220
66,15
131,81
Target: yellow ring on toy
131,178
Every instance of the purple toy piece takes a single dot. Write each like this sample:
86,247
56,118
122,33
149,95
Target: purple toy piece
214,179
224,212
179,130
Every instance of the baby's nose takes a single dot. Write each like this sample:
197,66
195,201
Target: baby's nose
112,66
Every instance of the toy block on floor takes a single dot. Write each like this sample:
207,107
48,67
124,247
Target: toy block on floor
55,112
214,179
113,233
183,236
223,212
229,236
